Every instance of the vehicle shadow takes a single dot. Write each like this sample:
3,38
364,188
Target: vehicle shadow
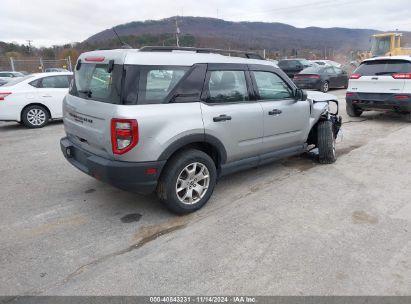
13,126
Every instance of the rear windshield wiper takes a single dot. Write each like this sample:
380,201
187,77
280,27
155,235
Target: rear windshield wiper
88,93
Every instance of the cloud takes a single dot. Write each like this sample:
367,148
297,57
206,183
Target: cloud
49,22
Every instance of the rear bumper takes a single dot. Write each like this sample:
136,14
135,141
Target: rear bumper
371,101
128,176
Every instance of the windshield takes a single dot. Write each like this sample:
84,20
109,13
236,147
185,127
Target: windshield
380,46
383,67
16,81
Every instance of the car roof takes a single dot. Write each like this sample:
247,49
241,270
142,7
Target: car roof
174,58
399,57
39,75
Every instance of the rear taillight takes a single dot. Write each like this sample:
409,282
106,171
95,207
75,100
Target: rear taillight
401,75
349,94
401,96
355,76
4,95
124,135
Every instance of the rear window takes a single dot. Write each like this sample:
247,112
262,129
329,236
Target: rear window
311,70
17,80
95,82
126,84
383,67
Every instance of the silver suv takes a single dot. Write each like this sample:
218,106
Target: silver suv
174,121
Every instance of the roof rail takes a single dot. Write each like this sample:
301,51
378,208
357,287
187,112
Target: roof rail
235,53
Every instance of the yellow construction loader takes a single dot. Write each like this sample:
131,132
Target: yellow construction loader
385,44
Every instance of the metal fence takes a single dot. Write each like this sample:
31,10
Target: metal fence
33,64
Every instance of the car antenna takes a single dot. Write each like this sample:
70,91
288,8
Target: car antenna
125,45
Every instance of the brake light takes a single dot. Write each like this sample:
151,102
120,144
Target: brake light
401,76
349,94
401,96
4,95
124,135
95,59
355,76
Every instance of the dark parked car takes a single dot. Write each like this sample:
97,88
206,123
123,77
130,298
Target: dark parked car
321,78
294,66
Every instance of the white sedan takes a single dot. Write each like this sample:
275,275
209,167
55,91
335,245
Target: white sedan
35,99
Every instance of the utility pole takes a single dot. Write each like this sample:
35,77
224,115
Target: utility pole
29,42
177,33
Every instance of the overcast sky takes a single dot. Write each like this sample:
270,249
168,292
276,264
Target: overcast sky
49,22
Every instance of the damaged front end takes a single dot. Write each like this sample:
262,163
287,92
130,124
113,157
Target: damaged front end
324,107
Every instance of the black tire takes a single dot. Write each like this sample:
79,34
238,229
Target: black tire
32,123
325,87
326,143
175,168
352,111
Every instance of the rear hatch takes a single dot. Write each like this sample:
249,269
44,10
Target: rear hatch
93,99
382,76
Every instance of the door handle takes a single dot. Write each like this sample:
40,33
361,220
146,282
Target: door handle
275,112
222,117
46,96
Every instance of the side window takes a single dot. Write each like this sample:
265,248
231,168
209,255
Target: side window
271,87
330,71
57,82
337,70
35,83
227,86
157,83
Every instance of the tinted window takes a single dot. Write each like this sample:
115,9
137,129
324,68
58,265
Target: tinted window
330,71
311,70
383,67
156,83
56,82
5,75
288,64
337,70
227,86
270,86
93,81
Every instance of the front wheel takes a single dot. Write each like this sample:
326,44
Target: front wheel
187,181
35,117
326,143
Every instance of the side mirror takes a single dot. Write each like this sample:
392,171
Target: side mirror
300,94
298,66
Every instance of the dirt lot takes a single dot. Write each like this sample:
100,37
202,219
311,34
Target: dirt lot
290,228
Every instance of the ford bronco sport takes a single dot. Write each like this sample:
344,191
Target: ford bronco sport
174,121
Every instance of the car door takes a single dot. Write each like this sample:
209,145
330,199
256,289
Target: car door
285,120
229,114
51,92
342,78
332,77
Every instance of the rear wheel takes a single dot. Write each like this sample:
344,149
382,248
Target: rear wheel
187,181
325,87
35,117
326,143
352,111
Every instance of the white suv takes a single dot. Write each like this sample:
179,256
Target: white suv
380,83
